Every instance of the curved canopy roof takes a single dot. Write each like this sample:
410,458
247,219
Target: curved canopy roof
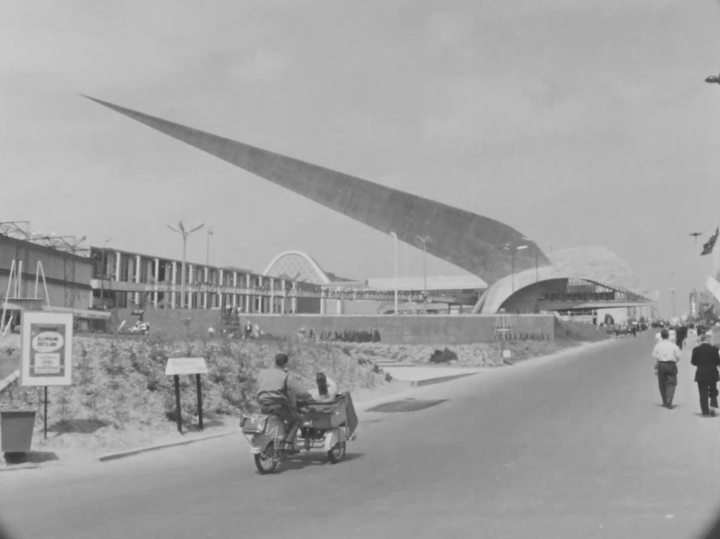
593,263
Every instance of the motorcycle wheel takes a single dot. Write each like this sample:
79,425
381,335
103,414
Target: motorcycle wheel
265,461
336,454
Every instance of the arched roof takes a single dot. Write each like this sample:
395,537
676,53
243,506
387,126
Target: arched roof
594,263
297,266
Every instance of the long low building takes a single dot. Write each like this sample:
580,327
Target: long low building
124,279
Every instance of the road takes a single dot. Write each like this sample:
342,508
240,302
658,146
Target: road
566,448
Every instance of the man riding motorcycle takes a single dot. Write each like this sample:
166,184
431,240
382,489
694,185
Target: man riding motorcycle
277,394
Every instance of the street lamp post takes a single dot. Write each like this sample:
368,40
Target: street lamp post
185,233
424,240
513,250
104,273
396,270
672,291
210,232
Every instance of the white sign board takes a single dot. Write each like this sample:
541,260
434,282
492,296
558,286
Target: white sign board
186,365
46,350
507,354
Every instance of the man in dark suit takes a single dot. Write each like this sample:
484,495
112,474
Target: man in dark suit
706,358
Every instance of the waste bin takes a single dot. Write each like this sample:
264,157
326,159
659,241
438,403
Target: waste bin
16,430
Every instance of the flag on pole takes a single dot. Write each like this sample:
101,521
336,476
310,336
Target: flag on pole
709,244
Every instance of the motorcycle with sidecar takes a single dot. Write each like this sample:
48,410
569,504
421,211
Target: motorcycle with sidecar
324,427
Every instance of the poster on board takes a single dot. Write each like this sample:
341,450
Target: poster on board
46,350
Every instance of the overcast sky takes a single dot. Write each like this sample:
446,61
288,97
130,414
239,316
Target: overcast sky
575,121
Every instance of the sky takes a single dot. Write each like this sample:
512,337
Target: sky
577,122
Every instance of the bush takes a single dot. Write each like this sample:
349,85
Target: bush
443,356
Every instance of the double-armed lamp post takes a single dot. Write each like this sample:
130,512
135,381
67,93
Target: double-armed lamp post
185,233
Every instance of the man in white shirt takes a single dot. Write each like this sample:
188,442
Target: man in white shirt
666,354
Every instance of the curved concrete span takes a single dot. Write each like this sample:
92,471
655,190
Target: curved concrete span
469,241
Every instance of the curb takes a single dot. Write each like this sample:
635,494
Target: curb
430,381
13,468
130,453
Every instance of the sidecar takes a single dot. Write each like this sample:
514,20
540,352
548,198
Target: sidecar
324,425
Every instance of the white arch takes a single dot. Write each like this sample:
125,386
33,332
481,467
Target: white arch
323,276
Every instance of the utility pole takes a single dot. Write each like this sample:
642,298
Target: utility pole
424,240
185,233
396,270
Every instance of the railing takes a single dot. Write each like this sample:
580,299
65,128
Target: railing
333,293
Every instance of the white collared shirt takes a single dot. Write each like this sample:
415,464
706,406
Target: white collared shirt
666,351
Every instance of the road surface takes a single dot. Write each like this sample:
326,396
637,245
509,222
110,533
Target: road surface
574,447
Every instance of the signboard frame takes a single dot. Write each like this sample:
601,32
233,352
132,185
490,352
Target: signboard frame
185,365
177,366
34,325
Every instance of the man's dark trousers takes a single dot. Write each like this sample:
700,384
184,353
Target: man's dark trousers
708,393
667,381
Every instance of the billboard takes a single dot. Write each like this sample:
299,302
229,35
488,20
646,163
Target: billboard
46,350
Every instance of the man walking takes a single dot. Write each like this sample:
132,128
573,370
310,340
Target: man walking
666,355
706,358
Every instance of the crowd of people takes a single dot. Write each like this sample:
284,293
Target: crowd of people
347,335
631,327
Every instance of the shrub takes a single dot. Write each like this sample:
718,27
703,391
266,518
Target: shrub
443,356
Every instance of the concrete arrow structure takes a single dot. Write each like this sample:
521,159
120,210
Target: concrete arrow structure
467,240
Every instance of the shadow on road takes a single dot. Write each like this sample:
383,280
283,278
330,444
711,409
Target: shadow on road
313,459
30,457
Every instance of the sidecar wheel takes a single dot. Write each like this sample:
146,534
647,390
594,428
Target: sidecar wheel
265,461
337,453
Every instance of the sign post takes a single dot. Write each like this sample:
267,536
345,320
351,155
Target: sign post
46,352
177,403
199,398
187,365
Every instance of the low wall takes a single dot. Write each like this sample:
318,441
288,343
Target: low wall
411,329
578,331
408,329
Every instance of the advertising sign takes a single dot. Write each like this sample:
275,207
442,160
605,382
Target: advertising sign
46,350
185,365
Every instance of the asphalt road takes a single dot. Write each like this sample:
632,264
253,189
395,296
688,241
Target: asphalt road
567,448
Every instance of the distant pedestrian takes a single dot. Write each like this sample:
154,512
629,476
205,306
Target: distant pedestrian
666,355
706,358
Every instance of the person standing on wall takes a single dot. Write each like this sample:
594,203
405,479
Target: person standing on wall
666,355
706,358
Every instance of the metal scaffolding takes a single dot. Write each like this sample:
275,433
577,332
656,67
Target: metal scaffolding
22,230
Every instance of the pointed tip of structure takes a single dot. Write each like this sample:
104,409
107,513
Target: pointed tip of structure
117,108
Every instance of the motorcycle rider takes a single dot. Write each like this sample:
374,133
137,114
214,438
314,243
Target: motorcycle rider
277,394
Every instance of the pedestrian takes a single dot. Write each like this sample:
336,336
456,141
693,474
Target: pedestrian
666,355
706,358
